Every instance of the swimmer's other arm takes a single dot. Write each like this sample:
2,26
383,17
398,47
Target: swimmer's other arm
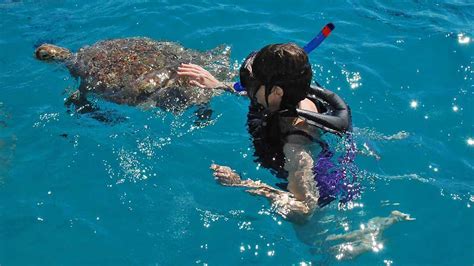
201,78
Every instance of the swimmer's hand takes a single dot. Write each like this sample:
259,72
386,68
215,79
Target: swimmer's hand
198,76
226,176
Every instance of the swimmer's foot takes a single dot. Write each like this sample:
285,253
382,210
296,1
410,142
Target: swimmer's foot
226,176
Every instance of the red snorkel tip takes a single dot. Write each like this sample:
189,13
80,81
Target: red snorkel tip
327,29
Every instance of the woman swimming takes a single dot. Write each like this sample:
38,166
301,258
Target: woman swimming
277,79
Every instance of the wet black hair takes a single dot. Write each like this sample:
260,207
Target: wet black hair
287,66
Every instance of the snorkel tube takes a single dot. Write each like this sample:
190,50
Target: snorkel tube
316,41
308,48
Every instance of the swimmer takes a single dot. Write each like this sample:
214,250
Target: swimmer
368,237
285,120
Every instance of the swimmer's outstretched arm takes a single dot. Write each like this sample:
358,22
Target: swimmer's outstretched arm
284,202
228,177
201,78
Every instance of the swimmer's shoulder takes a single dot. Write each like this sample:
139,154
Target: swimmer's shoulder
300,125
308,105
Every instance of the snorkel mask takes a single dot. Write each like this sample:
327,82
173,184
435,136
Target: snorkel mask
248,82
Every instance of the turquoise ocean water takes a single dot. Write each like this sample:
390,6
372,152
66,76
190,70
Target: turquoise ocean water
75,191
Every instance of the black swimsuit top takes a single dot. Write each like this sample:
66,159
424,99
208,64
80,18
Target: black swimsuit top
269,154
333,116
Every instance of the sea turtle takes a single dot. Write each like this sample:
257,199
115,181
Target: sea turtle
138,71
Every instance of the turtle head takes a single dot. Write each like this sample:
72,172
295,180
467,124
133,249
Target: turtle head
49,52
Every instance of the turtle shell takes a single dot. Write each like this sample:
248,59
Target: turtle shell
140,70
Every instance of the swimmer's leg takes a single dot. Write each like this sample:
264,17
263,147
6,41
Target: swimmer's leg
350,250
348,236
374,226
367,238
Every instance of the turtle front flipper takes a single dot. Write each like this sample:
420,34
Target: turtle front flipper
83,106
80,102
203,115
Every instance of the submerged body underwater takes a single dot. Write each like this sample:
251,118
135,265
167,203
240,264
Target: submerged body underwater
137,188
